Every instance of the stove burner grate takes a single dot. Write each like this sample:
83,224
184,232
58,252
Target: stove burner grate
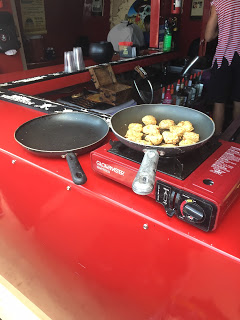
179,167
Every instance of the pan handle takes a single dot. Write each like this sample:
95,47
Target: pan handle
144,181
77,172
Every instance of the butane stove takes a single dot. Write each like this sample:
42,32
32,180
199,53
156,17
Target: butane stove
198,187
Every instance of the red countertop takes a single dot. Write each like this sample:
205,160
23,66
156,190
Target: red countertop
96,230
60,168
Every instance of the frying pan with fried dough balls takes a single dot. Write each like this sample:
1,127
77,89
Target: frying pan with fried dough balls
145,179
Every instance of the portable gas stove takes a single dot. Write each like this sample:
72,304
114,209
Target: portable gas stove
198,187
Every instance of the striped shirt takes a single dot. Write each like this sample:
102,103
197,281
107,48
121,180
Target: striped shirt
228,12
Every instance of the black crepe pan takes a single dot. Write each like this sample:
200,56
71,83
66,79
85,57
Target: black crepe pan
64,134
145,179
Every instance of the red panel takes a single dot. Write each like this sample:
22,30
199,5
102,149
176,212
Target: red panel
154,24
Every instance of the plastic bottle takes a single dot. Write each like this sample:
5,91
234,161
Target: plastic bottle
192,96
161,35
195,85
177,86
163,94
173,94
200,84
190,91
168,97
182,95
178,92
167,42
185,93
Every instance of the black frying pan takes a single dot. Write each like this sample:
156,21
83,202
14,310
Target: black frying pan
63,135
145,178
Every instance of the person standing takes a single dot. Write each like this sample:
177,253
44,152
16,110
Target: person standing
126,31
224,23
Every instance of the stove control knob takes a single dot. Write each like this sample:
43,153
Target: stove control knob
191,210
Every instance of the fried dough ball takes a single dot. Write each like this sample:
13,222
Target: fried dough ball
149,133
186,142
151,129
170,137
187,125
133,135
178,130
134,139
166,124
155,140
147,143
135,127
191,136
149,120
168,145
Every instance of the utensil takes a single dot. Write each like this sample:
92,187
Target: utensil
144,181
69,64
63,135
78,58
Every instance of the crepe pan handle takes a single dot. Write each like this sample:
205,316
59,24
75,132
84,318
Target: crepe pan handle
76,170
144,181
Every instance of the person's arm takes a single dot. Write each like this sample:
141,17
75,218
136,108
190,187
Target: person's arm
211,31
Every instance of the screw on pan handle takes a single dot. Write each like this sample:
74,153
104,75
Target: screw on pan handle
144,181
77,172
